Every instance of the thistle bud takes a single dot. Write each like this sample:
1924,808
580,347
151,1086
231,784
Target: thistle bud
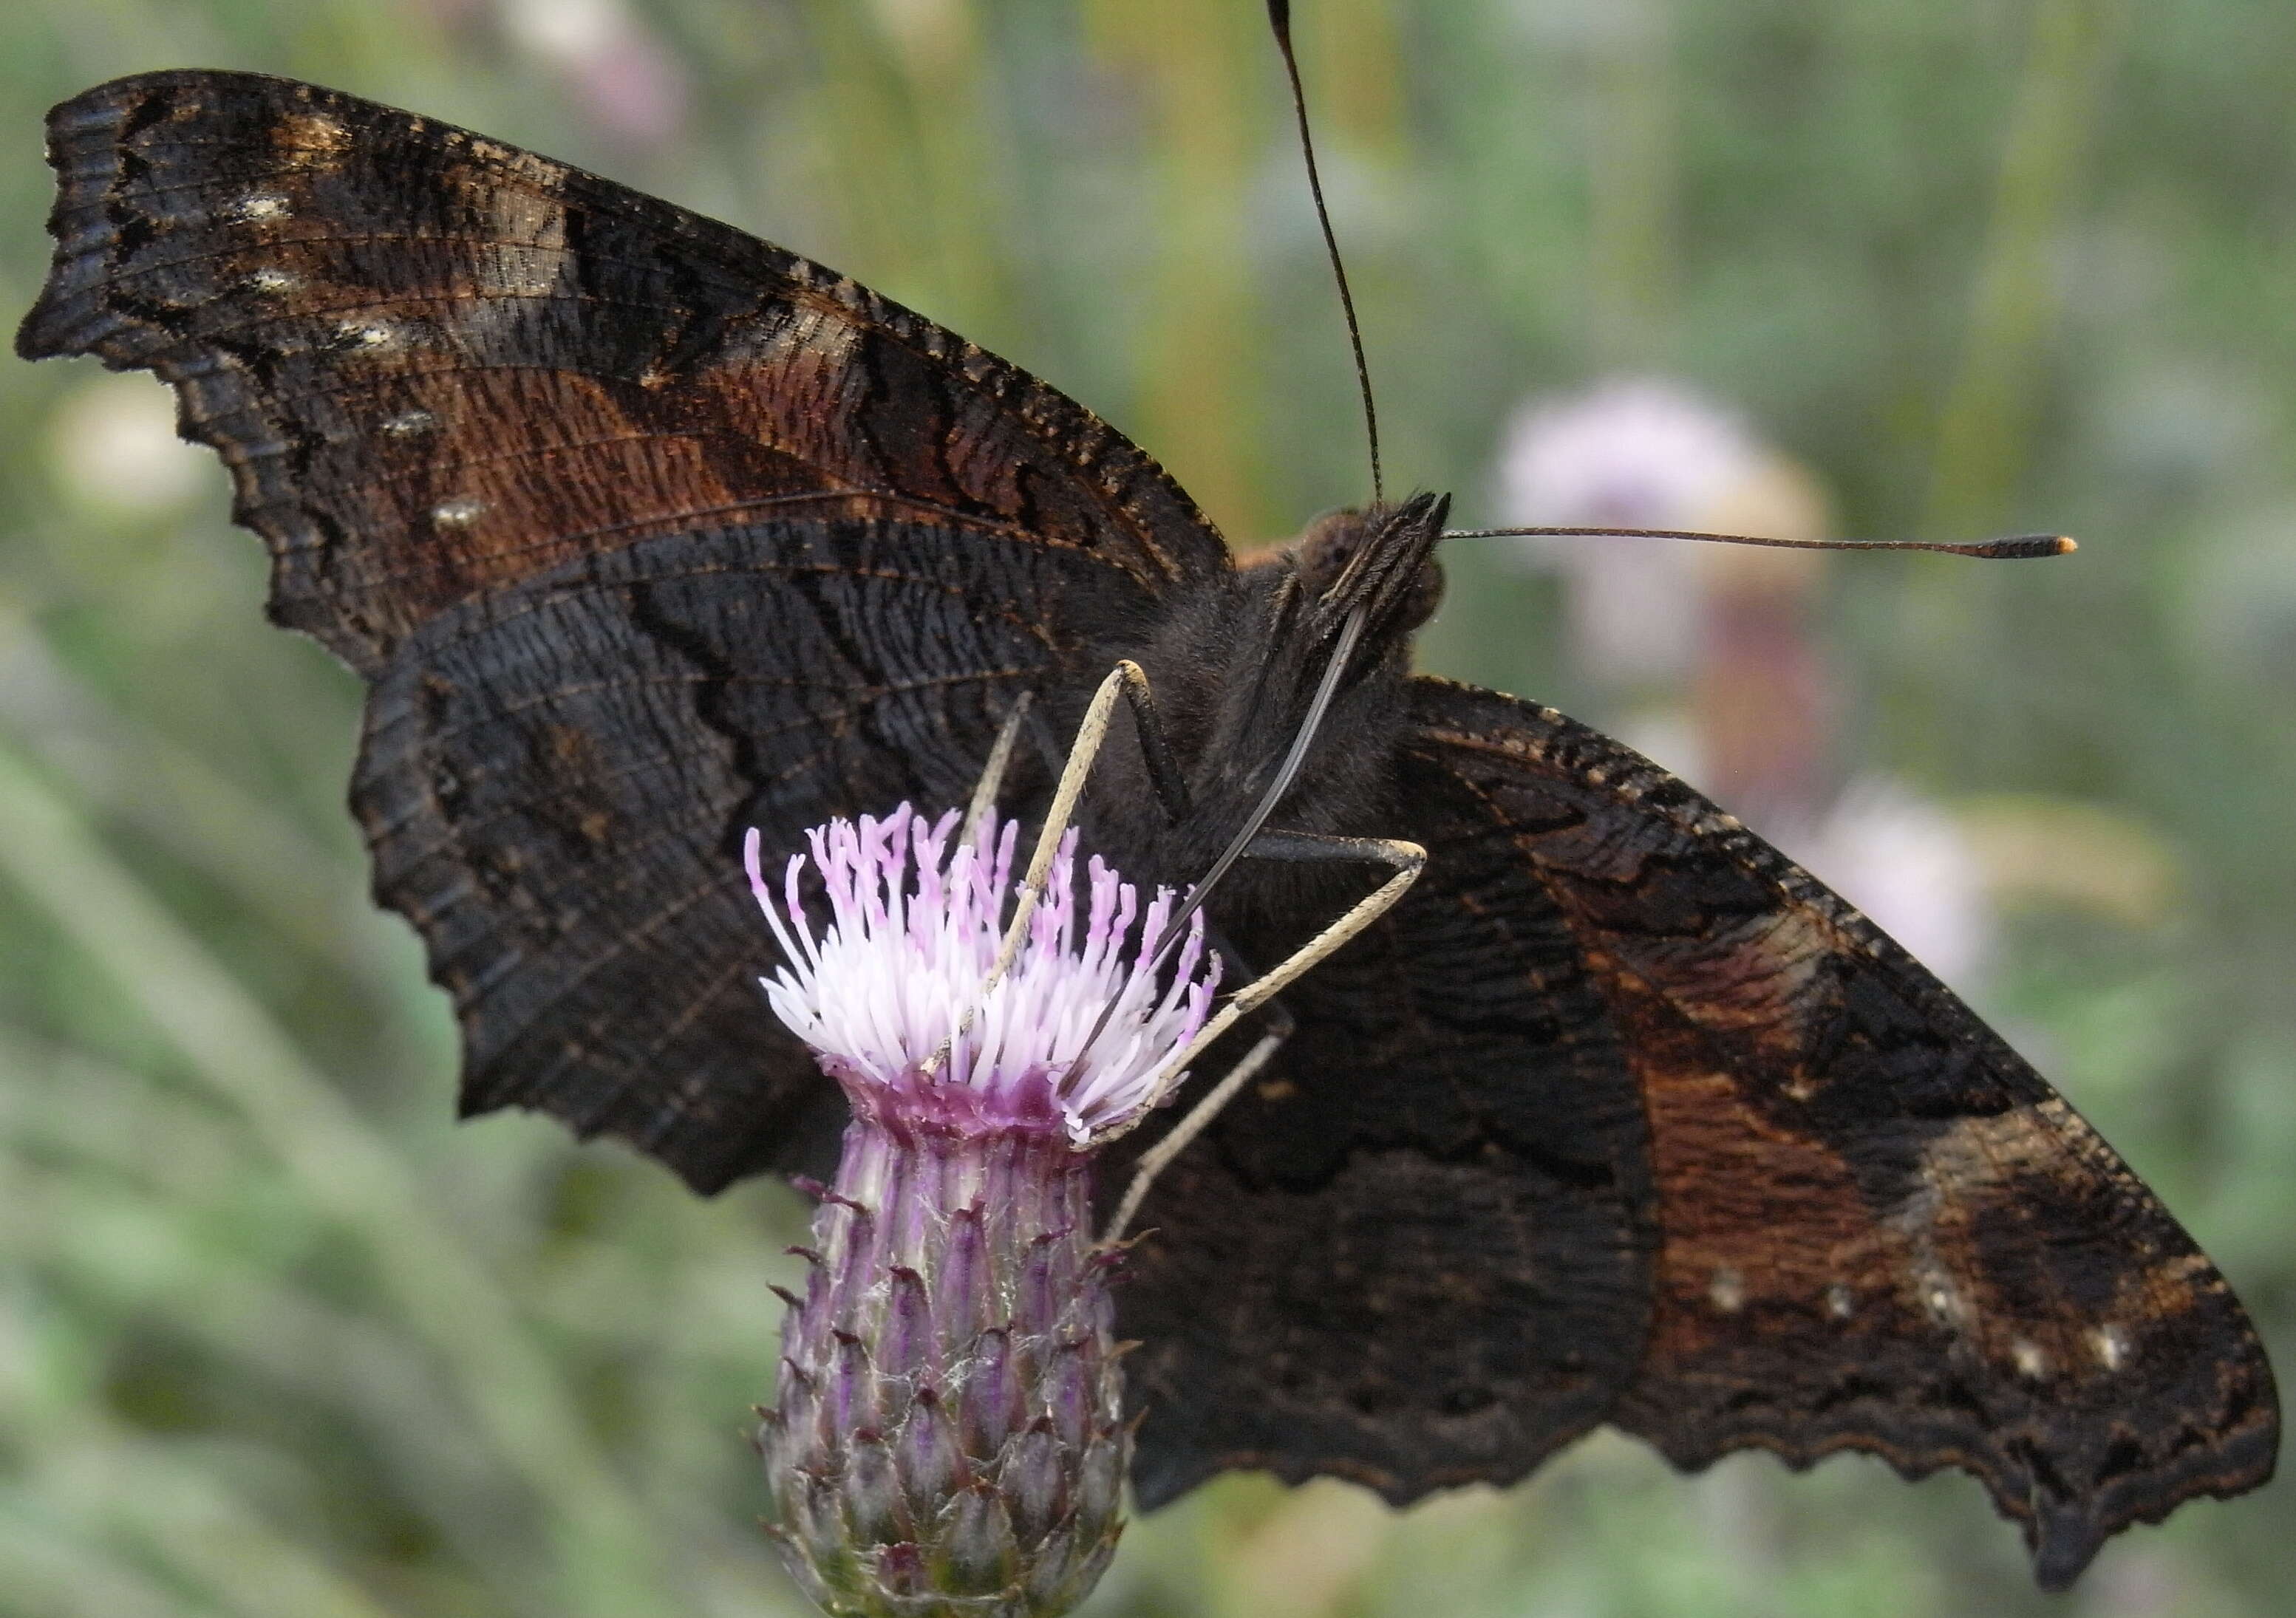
948,1435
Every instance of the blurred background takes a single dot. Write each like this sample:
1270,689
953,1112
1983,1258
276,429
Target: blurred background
278,1339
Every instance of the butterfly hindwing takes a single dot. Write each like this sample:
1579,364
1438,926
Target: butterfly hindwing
557,775
1879,1228
1416,1252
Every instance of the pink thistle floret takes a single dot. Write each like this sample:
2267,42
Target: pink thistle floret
949,1431
898,976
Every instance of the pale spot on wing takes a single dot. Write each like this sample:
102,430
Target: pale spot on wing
269,280
532,261
312,140
814,354
1914,1220
1840,1302
1726,1291
261,205
2110,1345
520,196
1759,978
2030,1361
1941,1298
372,334
407,423
524,165
457,513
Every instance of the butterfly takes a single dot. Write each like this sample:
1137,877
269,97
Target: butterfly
642,532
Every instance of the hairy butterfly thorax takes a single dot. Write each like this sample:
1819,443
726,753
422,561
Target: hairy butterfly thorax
1234,666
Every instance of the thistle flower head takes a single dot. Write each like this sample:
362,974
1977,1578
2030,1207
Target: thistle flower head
897,976
948,1437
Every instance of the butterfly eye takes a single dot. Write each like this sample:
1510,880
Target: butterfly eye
1322,551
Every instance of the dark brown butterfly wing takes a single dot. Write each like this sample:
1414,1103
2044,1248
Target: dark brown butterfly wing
1417,1251
556,776
436,364
1872,1225
644,531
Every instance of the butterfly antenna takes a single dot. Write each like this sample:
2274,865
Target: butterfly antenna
1279,18
2012,548
992,775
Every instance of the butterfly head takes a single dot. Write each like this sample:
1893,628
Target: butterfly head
1286,676
1381,559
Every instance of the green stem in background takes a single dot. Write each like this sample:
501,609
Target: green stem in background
172,1511
121,1183
870,157
958,228
128,771
1202,351
510,1389
1632,178
49,1564
1985,431
917,180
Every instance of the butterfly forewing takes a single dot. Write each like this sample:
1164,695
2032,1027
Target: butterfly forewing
557,775
436,364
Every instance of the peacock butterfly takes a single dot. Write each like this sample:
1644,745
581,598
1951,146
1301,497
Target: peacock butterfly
642,532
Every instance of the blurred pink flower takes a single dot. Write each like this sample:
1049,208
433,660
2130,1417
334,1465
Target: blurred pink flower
1710,657
612,63
1909,864
1642,454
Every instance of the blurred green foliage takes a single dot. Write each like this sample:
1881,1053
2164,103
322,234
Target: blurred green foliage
278,1339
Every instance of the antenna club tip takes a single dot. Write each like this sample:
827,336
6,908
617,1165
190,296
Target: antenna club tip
2024,545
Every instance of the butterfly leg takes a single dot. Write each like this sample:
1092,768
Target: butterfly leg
1172,788
1129,679
992,773
1406,859
1090,735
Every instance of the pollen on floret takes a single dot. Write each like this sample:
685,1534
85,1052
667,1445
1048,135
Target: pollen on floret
916,919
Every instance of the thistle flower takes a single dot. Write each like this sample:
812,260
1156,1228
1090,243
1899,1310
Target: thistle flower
948,1435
